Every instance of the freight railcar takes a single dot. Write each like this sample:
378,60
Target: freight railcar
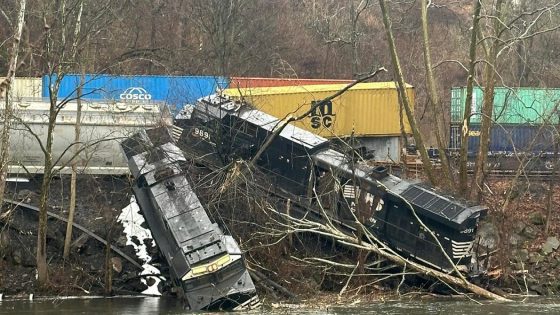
302,166
509,146
512,106
206,264
525,128
103,125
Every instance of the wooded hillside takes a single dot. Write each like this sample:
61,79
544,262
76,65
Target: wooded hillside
285,38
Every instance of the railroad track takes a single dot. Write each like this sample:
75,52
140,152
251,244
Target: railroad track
531,175
500,167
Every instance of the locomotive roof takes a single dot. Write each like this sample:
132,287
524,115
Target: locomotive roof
176,217
268,122
444,207
218,106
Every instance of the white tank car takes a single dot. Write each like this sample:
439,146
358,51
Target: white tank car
103,125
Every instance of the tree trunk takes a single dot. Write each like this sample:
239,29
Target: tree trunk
463,155
523,49
5,87
552,184
42,270
354,39
72,207
435,101
406,102
486,125
108,263
404,136
353,241
487,105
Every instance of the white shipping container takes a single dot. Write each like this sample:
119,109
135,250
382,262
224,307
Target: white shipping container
25,87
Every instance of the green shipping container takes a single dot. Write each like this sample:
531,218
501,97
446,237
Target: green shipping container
511,105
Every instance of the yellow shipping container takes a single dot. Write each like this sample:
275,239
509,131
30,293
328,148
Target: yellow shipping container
368,109
24,87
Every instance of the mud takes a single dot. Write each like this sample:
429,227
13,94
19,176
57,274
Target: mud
99,202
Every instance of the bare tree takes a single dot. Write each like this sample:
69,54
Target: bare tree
463,181
375,246
232,33
338,24
553,181
63,38
72,206
491,52
402,92
5,88
437,108
507,27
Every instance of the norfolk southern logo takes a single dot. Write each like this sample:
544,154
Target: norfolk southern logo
135,94
322,115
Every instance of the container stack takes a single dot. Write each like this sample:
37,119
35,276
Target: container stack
368,114
254,82
524,120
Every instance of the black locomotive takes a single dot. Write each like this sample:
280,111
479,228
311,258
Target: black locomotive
303,166
206,264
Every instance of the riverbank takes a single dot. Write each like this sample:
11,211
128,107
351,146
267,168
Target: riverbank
100,201
524,260
526,256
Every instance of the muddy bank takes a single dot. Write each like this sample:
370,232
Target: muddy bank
99,202
525,256
523,259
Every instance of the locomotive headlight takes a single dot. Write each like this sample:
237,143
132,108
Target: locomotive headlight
212,268
209,267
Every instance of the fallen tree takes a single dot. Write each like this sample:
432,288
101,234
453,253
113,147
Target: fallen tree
281,224
375,246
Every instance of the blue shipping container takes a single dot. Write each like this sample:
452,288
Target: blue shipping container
506,138
176,91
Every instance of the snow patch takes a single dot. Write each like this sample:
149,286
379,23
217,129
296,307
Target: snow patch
131,219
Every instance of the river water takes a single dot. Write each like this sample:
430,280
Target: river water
141,306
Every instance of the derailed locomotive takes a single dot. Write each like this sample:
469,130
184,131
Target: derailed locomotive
206,264
303,166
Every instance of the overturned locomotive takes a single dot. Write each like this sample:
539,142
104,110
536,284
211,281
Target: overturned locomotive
206,264
302,166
